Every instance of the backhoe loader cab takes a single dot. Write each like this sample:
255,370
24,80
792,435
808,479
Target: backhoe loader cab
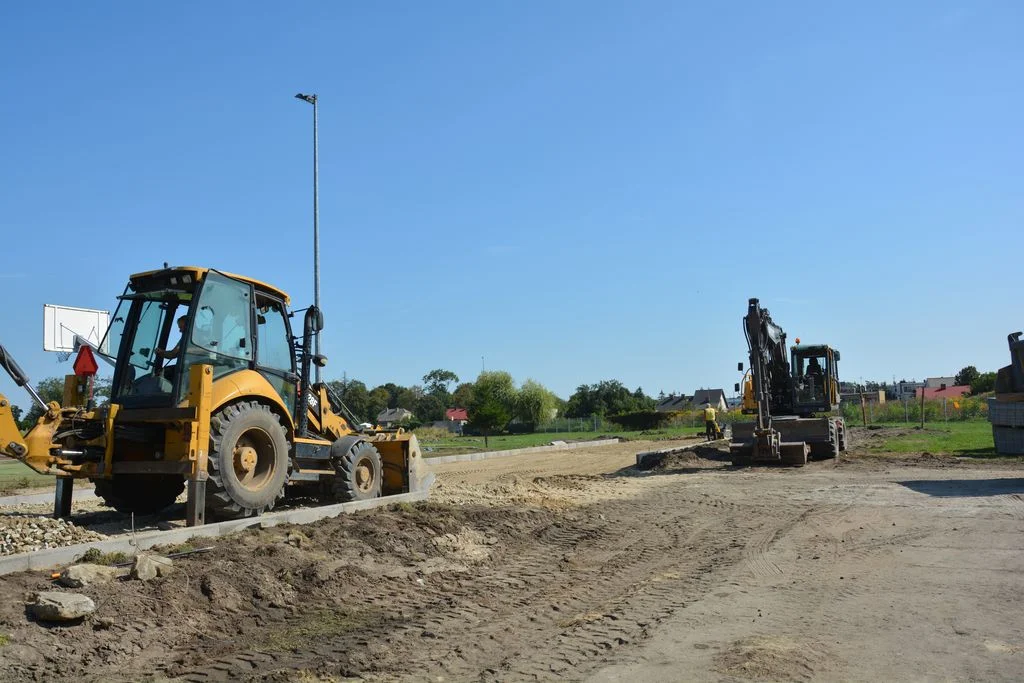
211,388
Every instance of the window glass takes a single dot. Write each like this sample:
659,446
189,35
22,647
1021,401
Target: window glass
222,318
140,377
275,346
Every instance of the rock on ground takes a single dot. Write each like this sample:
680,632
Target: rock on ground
148,566
57,606
80,575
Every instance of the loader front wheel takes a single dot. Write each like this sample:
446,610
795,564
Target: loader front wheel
248,462
142,494
359,474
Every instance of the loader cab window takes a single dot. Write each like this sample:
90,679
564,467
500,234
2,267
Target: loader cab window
144,324
221,331
274,342
275,359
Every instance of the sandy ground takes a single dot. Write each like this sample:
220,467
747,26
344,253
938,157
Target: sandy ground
574,565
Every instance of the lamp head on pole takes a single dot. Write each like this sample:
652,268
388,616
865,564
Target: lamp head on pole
308,98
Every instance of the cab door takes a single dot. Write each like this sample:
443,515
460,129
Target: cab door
275,355
219,329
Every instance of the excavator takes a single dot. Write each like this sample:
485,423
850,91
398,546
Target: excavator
787,395
229,412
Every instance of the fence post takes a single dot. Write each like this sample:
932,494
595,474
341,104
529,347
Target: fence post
922,407
863,409
906,410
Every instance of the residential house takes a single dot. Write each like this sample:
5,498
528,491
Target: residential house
672,403
458,415
937,382
716,397
393,416
906,390
945,392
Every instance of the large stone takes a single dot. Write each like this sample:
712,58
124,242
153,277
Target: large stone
80,575
148,567
56,606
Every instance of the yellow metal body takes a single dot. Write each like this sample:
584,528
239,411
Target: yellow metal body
176,440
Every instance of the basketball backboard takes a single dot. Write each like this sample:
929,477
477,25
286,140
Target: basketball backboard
62,323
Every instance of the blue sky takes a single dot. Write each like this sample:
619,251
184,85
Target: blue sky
575,191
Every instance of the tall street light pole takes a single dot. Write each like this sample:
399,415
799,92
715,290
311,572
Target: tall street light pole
312,99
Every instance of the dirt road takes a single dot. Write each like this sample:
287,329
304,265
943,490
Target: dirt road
574,565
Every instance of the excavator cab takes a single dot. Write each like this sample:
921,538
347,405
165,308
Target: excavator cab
815,378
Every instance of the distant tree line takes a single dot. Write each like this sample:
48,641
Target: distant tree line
493,401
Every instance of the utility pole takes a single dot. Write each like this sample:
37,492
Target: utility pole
312,99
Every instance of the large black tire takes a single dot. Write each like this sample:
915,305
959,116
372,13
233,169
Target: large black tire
142,494
359,474
248,463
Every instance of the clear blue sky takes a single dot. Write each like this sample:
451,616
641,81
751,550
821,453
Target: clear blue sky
574,190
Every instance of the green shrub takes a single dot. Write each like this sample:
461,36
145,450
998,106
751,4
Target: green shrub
641,420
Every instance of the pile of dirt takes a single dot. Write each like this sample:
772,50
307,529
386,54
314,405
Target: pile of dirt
271,589
772,659
690,458
554,492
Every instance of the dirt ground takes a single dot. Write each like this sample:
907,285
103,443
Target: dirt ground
575,565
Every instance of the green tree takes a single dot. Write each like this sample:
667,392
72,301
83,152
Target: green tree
408,398
608,397
438,381
354,394
49,389
16,413
535,403
462,396
429,408
966,376
377,402
494,397
986,381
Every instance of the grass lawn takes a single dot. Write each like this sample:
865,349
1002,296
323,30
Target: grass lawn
14,475
454,445
939,438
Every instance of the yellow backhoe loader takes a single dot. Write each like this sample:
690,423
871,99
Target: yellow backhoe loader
229,410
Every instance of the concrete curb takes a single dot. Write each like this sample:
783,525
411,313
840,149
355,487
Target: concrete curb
53,557
487,455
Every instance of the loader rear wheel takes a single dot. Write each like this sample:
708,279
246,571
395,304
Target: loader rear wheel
142,494
248,463
359,474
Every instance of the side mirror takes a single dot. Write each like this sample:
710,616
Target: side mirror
736,387
835,354
320,361
739,367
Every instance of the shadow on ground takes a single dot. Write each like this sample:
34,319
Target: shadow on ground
965,488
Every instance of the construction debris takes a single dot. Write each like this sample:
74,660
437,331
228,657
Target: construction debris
22,534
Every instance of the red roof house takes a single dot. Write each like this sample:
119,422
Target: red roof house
945,392
460,414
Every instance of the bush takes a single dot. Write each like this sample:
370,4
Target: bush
522,428
430,433
641,420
